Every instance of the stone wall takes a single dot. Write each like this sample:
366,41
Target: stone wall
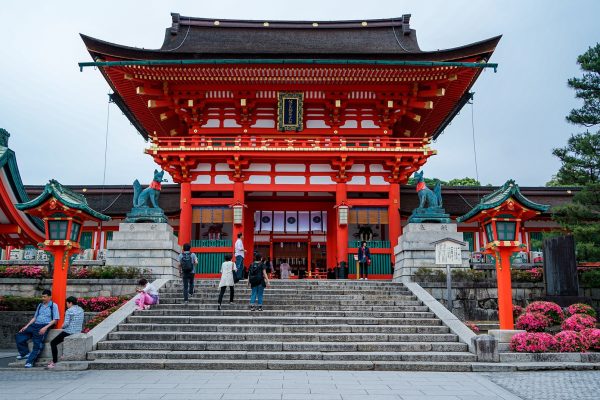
12,321
478,301
75,287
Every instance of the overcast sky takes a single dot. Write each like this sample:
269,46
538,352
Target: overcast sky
57,115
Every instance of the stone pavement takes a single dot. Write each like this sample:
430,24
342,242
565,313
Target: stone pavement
240,385
292,385
551,385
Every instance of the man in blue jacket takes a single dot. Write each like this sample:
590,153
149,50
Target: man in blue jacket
364,260
46,315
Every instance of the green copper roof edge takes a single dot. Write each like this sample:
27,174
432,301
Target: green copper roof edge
50,191
512,190
287,61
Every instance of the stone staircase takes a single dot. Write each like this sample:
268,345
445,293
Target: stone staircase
327,325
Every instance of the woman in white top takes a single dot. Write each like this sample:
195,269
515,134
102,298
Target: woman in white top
227,270
148,295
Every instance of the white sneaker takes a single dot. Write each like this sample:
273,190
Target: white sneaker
20,357
366,279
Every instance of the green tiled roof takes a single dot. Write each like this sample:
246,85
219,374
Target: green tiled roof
65,196
505,192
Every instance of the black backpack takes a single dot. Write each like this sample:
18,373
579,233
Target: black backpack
255,275
186,263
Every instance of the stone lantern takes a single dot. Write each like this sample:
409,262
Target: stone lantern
501,213
64,212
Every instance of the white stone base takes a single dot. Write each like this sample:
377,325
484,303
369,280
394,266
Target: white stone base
148,246
415,249
504,335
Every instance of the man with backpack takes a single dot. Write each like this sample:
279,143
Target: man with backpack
46,315
257,280
187,263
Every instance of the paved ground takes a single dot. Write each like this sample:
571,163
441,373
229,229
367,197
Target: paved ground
291,385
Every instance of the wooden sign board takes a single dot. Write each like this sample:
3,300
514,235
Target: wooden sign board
448,253
289,111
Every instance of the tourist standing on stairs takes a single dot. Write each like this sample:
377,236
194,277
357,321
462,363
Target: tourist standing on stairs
364,260
187,263
240,253
258,281
227,279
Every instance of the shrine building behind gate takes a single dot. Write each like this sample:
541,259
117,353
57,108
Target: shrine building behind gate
296,134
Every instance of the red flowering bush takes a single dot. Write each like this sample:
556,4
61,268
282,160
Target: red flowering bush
532,342
98,304
533,322
581,308
472,326
549,309
578,322
31,272
101,317
517,310
571,342
592,337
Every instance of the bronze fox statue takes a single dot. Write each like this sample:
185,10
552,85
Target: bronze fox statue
140,197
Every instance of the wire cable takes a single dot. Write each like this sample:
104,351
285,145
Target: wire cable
396,36
474,146
184,38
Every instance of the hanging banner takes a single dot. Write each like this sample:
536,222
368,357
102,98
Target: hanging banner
303,221
291,221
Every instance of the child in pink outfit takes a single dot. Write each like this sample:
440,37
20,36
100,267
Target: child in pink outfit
148,295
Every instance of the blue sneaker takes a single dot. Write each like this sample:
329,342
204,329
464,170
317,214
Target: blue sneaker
20,357
28,365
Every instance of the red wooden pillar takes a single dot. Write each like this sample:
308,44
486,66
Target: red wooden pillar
185,217
394,216
505,304
238,197
331,237
342,230
248,231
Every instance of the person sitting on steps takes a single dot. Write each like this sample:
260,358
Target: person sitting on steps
148,295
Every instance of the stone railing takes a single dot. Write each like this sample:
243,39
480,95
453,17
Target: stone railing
75,287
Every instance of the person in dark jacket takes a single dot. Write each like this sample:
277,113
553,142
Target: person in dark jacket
364,260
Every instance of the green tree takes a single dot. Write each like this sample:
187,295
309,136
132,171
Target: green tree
466,181
582,218
581,157
581,162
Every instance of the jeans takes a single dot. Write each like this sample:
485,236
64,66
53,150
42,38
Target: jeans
54,344
32,332
188,285
239,264
364,270
222,292
257,294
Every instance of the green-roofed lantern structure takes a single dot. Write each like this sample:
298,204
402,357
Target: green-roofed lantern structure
501,213
64,212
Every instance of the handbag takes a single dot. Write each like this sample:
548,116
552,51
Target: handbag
368,261
236,278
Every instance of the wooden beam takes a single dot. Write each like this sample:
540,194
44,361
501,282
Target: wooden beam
158,103
10,228
146,91
427,105
432,93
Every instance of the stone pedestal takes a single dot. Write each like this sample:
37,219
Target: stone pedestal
151,246
415,248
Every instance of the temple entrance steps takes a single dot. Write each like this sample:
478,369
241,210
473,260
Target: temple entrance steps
326,325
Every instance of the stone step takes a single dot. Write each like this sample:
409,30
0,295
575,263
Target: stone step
300,303
262,318
285,296
243,328
282,337
315,307
281,355
180,345
304,285
284,313
279,291
282,365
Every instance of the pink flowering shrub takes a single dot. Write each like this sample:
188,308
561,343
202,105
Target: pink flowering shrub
578,322
571,342
581,308
31,272
592,337
98,304
533,322
517,310
532,342
101,316
549,309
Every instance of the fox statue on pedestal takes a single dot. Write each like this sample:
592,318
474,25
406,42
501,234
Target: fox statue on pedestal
433,198
152,192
